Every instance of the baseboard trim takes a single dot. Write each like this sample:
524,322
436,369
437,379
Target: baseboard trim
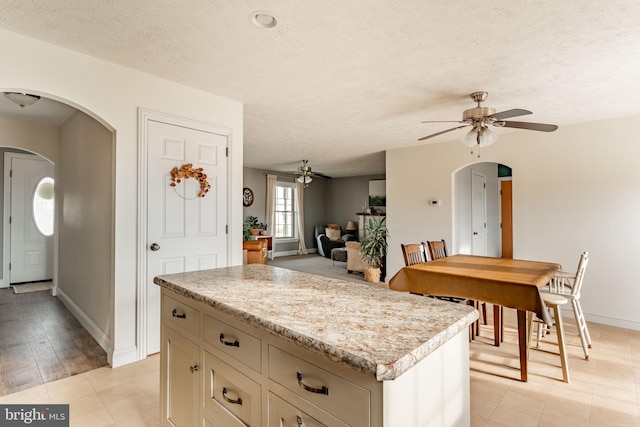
606,320
294,252
124,356
103,340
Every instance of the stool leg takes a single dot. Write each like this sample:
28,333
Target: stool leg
563,351
529,329
581,323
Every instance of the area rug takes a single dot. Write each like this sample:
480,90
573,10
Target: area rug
316,264
32,287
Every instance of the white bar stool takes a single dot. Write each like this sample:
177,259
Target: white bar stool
554,301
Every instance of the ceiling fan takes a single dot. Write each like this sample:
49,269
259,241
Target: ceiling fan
306,175
479,117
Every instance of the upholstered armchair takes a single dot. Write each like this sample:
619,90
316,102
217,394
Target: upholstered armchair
354,258
325,243
256,251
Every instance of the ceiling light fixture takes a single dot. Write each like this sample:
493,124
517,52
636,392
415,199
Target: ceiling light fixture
22,99
262,19
304,179
479,136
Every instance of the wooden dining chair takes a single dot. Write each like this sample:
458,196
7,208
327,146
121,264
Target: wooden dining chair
413,253
437,249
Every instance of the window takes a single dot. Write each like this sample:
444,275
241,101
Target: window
285,211
43,204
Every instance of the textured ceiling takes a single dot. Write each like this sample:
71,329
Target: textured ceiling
339,82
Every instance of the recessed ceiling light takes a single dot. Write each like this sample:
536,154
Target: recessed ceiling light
262,19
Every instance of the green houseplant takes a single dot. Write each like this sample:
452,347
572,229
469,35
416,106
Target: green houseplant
374,247
252,227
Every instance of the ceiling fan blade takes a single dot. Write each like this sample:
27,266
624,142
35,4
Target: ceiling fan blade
440,133
443,121
510,113
530,126
320,175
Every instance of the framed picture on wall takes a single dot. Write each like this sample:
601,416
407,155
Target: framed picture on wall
377,193
247,196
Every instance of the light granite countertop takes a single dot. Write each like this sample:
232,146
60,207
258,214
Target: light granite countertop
370,328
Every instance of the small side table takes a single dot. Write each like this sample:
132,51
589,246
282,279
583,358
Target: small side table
269,240
338,254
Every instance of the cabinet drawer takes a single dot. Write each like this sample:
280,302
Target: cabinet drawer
230,396
179,315
340,397
234,342
284,414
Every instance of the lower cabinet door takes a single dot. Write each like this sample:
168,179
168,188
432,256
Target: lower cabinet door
284,414
181,380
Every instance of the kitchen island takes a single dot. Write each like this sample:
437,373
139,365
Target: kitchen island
265,346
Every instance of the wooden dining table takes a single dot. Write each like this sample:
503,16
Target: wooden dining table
500,281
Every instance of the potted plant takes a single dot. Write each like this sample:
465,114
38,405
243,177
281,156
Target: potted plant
374,247
252,227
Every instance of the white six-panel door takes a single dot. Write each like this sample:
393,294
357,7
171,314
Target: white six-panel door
478,213
184,232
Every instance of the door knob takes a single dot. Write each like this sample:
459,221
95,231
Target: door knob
154,247
475,233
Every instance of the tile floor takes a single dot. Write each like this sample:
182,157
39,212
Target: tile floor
127,396
604,391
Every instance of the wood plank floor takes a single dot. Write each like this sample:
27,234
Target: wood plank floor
40,341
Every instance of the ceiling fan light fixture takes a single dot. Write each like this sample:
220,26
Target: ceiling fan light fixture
487,137
22,99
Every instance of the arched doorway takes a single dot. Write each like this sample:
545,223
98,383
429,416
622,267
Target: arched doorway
82,150
478,210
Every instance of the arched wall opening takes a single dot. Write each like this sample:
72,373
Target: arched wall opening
82,147
477,213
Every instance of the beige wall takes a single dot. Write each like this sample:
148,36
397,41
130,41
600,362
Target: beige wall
85,218
16,136
113,95
38,139
573,190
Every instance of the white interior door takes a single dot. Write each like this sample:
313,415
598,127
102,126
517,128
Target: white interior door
478,213
31,241
185,232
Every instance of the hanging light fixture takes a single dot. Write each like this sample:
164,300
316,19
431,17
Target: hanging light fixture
304,179
22,99
479,136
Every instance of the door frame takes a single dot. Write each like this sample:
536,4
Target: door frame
6,231
500,180
144,117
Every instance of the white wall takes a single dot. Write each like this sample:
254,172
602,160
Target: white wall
112,94
573,190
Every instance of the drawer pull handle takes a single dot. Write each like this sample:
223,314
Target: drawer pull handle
175,313
194,368
234,343
299,420
322,390
237,401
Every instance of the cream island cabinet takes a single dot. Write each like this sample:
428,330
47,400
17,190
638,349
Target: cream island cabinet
256,345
